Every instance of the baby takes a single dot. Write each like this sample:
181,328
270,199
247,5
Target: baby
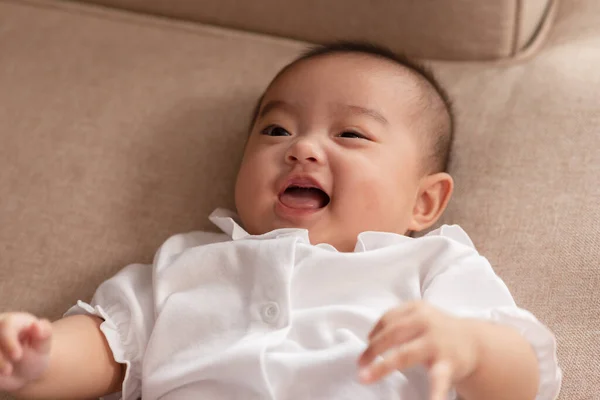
317,290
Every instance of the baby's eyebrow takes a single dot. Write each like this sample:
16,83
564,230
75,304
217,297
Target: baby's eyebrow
357,110
366,111
274,104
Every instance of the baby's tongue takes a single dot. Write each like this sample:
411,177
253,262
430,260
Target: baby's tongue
302,198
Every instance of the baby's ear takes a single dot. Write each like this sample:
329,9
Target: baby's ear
433,196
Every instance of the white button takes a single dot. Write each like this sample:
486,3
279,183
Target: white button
270,312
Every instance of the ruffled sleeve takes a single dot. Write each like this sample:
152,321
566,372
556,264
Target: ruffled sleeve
469,287
543,342
125,304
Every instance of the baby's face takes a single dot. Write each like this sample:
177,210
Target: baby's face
332,151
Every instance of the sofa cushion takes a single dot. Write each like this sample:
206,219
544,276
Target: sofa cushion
116,132
459,30
119,130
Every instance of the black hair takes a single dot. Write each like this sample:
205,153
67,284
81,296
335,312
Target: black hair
442,130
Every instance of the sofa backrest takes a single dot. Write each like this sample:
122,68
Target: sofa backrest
456,30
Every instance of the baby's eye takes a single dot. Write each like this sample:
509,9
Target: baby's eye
274,130
352,135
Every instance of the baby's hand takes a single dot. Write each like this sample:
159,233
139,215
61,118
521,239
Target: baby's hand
24,349
418,333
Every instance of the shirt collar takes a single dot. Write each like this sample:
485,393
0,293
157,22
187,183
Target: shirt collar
453,232
378,240
372,240
229,223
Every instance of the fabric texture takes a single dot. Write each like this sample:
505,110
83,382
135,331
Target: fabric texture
118,131
229,316
495,29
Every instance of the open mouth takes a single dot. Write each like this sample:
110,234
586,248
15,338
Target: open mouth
304,197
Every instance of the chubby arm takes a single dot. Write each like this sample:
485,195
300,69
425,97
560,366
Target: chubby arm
507,367
79,363
71,358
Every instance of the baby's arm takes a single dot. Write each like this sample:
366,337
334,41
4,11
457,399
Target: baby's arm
507,367
69,359
468,331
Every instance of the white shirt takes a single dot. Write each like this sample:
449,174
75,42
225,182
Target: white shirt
236,316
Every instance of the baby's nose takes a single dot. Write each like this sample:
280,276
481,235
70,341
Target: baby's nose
304,151
293,158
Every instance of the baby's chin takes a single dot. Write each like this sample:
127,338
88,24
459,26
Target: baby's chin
265,225
340,239
344,245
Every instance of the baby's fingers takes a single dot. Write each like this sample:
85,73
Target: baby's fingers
39,335
10,348
6,367
402,357
394,336
440,375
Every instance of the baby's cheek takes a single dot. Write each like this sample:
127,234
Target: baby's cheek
250,192
376,193
384,205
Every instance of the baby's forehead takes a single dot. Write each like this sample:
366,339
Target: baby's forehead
358,64
349,77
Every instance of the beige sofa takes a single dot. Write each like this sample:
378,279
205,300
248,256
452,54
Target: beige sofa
119,128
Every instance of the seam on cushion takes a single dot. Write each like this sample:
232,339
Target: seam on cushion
516,26
523,56
541,34
157,21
